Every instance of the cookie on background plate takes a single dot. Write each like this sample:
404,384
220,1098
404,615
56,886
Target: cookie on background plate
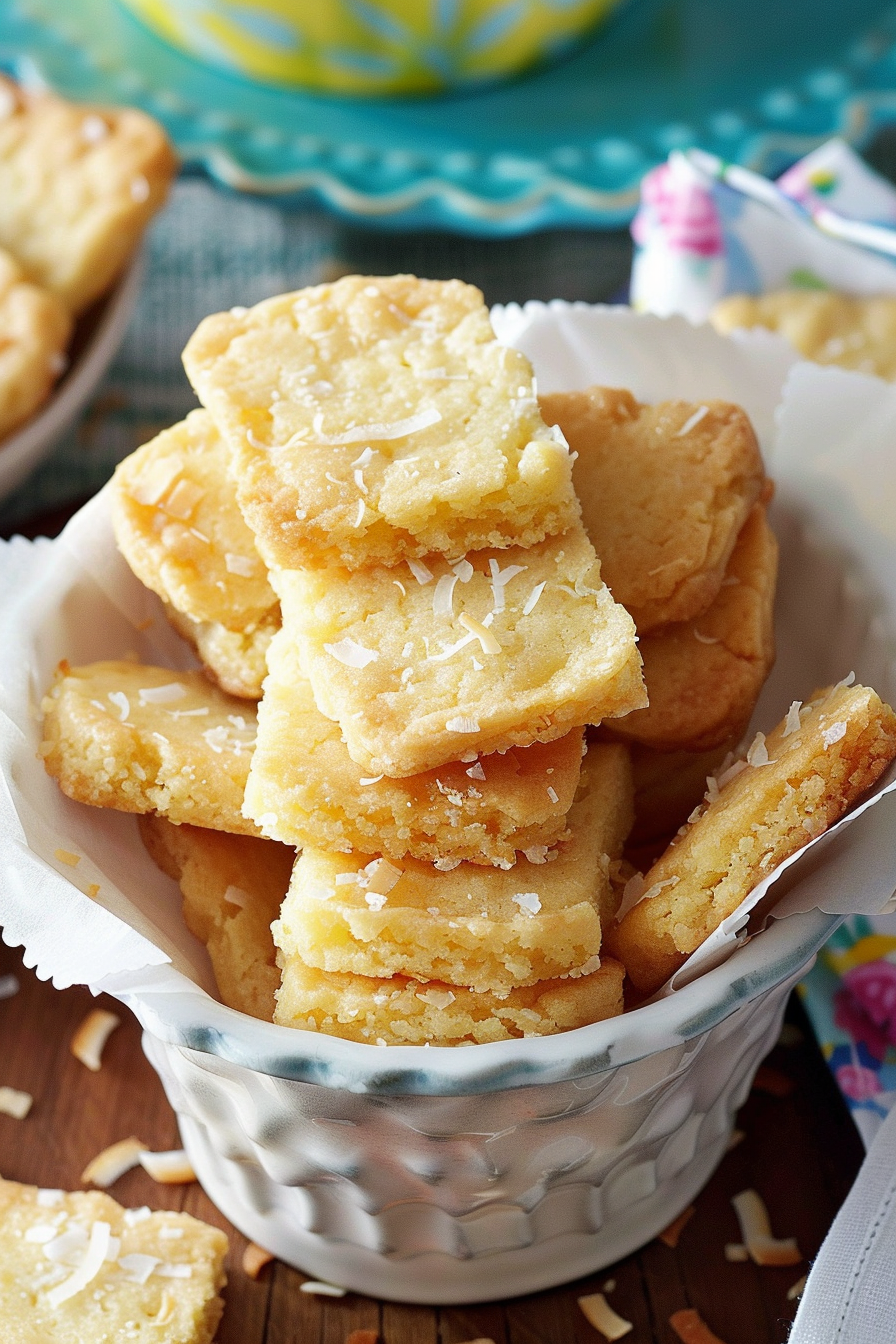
34,331
146,739
790,788
665,491
78,185
377,418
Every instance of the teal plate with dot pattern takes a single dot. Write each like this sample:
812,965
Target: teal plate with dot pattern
758,83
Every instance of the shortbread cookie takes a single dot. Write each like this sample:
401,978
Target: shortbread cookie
704,676
179,527
145,739
855,333
405,1012
372,419
34,331
665,491
305,789
425,663
232,887
79,1267
484,928
78,185
236,660
792,787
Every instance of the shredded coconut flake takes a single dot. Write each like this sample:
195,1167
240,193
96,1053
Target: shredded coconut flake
532,599
373,779
90,1266
476,772
105,1169
316,1289
239,564
9,985
139,189
382,876
529,901
553,794
793,723
362,507
236,896
500,579
380,433
705,639
359,480
833,734
537,853
420,572
631,894
462,724
847,681
464,570
443,596
598,1312
758,752
446,865
15,1103
170,1168
137,1267
375,899
91,1036
487,641
351,653
365,458
736,768
692,422
121,703
161,695
436,998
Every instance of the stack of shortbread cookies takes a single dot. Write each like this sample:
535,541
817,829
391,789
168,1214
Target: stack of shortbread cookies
371,526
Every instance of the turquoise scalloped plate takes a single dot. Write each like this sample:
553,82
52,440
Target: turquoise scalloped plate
758,83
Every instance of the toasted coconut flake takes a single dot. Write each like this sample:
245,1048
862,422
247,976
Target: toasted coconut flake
317,1289
105,1169
670,1235
350,653
380,433
382,876
462,724
236,896
796,1289
736,1252
692,421
254,1260
171,1168
90,1038
691,1328
598,1312
487,641
90,1266
92,890
15,1103
755,1228
67,857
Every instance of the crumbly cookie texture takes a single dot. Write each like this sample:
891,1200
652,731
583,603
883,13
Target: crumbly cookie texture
400,1011
78,185
305,789
856,333
665,491
425,662
668,786
146,739
34,331
487,929
792,787
178,525
235,660
80,1267
232,887
372,419
704,676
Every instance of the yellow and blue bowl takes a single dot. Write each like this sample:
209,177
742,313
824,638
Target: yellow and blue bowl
373,47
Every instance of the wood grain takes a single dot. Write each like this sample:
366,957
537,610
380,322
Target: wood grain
801,1152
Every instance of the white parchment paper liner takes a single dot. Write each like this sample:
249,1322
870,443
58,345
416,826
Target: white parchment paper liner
75,598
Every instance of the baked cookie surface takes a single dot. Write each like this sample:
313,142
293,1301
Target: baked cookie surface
792,787
146,739
372,419
236,660
421,664
703,676
487,929
46,1235
232,887
855,333
665,491
78,185
400,1011
305,789
34,331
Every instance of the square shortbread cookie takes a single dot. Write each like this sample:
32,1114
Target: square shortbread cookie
704,676
405,1012
487,929
232,887
34,331
78,1267
665,491
421,664
856,333
372,419
78,185
791,787
145,739
178,525
305,789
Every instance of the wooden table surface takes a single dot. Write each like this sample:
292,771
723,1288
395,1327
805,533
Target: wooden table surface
800,1151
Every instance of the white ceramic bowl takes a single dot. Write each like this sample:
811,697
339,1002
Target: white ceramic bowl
428,1175
26,447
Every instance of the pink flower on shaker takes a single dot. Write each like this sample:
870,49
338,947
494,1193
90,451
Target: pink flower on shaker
873,987
676,203
858,1082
